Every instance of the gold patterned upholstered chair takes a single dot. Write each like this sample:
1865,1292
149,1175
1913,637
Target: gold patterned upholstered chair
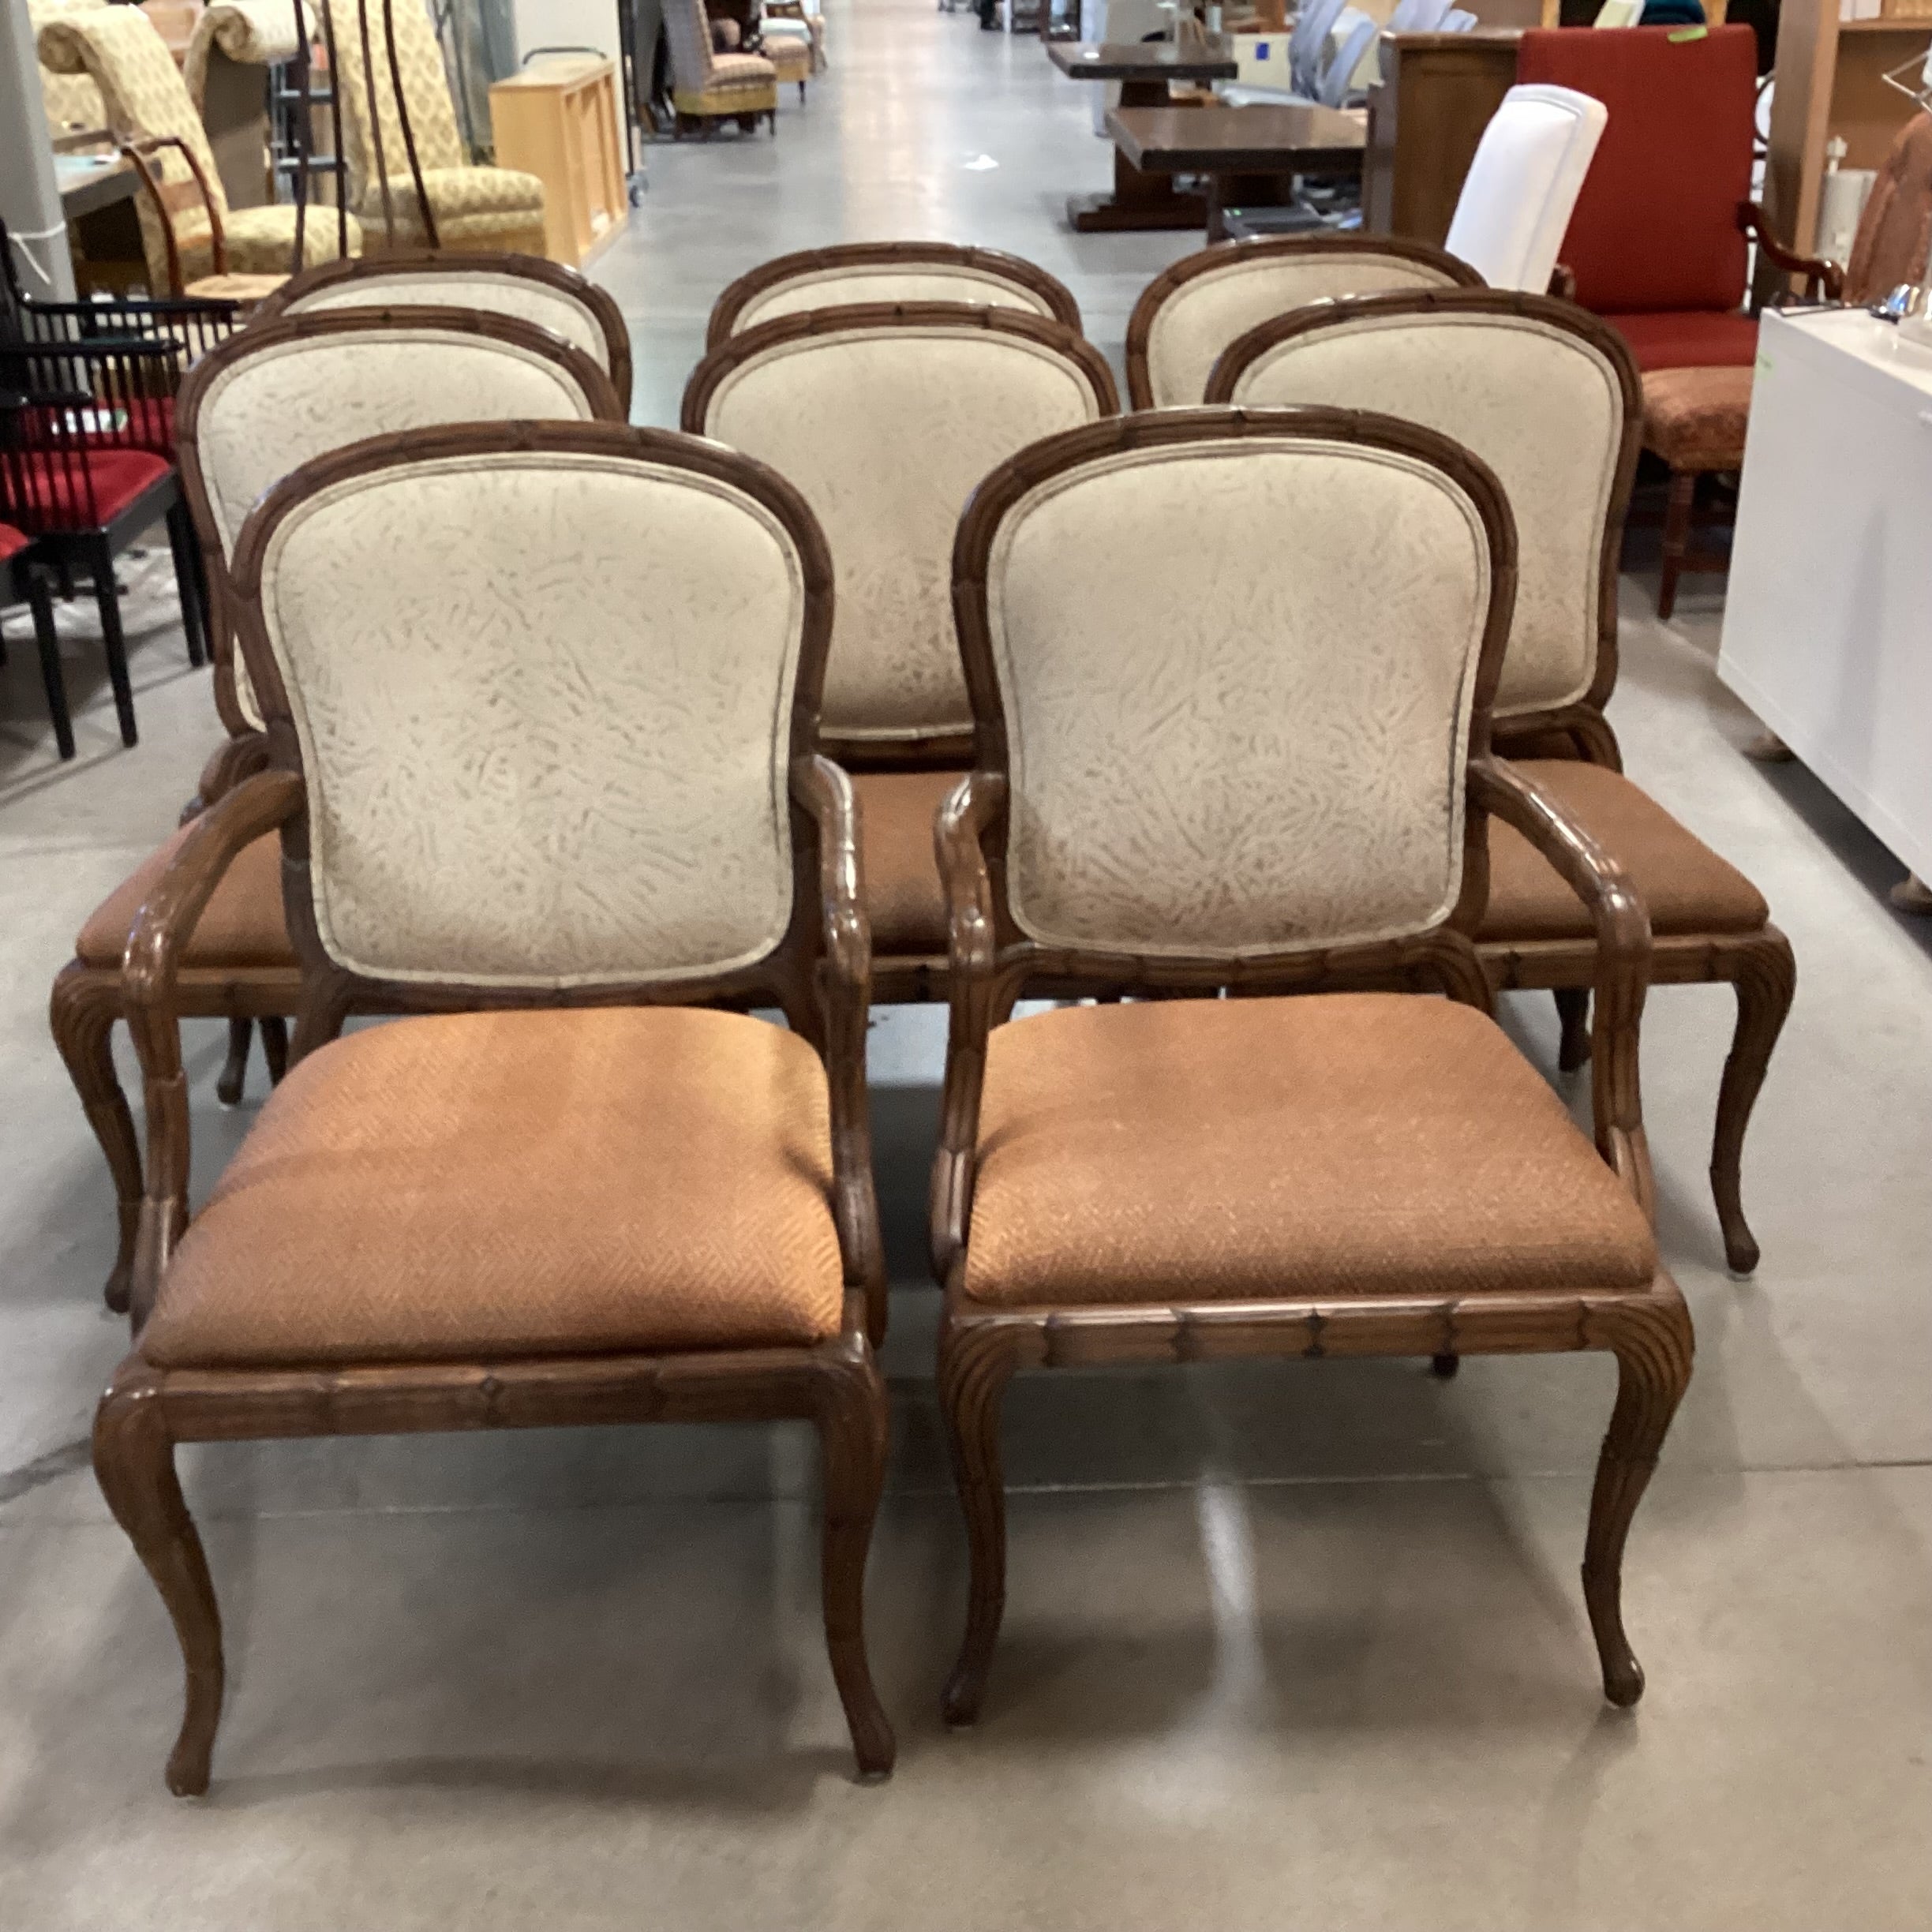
146,99
1549,397
559,1192
1232,673
888,272
73,103
887,417
708,87
545,293
469,207
1192,310
275,395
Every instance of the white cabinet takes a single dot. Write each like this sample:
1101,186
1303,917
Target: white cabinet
1827,618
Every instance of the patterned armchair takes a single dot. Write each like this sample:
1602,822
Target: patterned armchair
469,207
72,101
708,87
119,50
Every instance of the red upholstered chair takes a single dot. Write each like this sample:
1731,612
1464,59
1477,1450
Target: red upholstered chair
1658,240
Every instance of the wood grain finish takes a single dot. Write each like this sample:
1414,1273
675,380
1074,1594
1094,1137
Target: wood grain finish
819,975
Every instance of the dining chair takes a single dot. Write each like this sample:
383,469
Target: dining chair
888,272
545,294
1549,397
708,87
886,416
564,1189
1193,309
1232,672
276,395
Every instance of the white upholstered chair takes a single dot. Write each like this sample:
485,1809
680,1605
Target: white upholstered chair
888,418
1522,185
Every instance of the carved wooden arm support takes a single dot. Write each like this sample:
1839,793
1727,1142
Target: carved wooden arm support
846,997
974,807
1822,278
234,759
1622,959
161,930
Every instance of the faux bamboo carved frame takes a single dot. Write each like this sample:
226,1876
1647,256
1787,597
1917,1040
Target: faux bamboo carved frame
1223,255
992,961
775,274
1758,965
818,974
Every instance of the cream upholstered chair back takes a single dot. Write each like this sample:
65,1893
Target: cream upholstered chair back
72,99
280,393
1522,185
1547,395
887,419
888,272
1235,670
1187,314
557,758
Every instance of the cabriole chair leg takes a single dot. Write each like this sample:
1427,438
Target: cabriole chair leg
975,1367
82,1013
1765,975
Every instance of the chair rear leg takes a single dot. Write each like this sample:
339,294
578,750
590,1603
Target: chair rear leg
234,1076
115,644
975,1367
82,1013
1573,1009
274,1047
1765,976
47,641
194,618
1676,537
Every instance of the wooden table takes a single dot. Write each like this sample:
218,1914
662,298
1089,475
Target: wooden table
1246,152
1141,198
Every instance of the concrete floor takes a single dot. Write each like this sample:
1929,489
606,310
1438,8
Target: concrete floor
1298,1646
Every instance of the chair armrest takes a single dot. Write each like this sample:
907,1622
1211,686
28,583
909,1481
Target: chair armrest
845,998
1623,930
974,806
232,761
1822,278
162,927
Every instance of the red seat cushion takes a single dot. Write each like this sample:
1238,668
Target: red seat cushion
55,489
1655,227
12,542
1689,338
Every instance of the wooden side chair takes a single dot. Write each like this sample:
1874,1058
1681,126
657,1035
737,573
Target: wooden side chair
275,395
1549,396
888,272
1191,311
546,795
887,417
545,294
1232,673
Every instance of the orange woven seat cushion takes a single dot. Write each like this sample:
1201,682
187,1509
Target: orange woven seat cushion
1685,886
1334,1144
904,897
241,925
1695,418
507,1185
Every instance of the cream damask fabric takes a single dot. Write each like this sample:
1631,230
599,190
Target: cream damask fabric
1237,682
888,282
544,706
1203,317
1541,406
887,431
269,413
515,296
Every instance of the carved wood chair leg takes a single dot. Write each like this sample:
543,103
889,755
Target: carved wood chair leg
194,625
275,1041
134,1464
853,1431
973,1369
1573,1009
83,1011
1766,977
229,1082
1676,537
1654,1353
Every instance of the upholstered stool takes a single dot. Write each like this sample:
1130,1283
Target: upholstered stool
1695,420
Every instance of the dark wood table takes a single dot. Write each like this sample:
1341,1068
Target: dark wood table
1141,199
1247,153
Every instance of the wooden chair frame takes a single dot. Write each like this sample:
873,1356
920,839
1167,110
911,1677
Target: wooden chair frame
906,976
1758,965
87,1000
170,197
993,962
1222,255
595,302
818,974
1061,304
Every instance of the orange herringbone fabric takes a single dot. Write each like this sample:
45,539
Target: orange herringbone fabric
1685,885
904,901
1330,1145
518,1184
241,925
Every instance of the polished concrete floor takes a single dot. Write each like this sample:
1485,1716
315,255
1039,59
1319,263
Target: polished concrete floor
1302,1646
